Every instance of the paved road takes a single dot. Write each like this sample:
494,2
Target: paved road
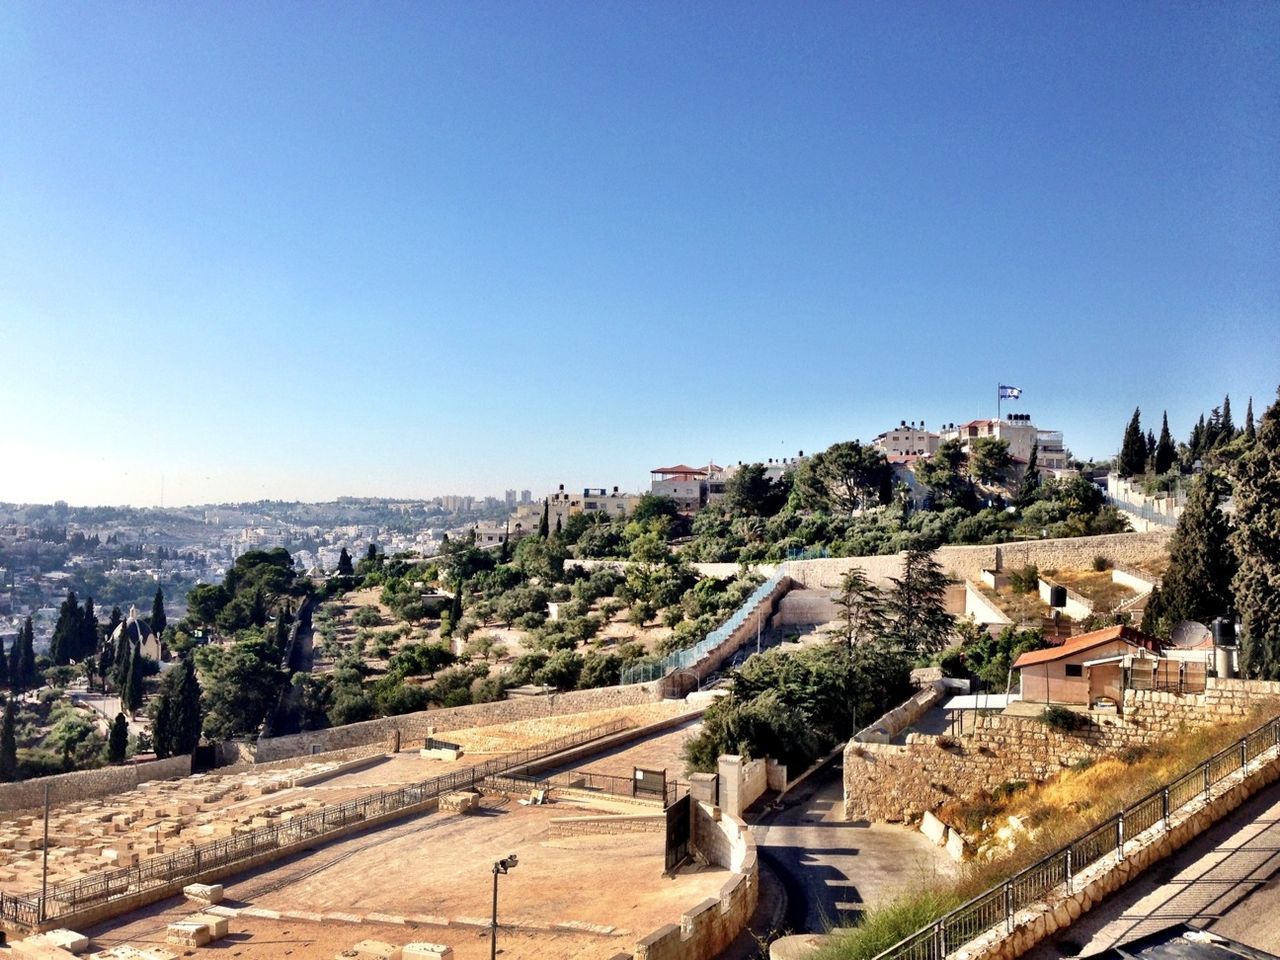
1223,880
832,870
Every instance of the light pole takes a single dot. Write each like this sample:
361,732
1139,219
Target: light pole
502,866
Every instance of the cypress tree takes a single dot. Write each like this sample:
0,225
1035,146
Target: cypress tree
1165,453
118,741
345,566
66,632
1151,448
258,608
1257,543
162,724
1249,430
1213,430
1197,585
559,526
8,745
120,659
28,655
1031,476
158,620
1226,426
1196,442
131,695
87,641
544,528
186,718
455,605
15,664
4,666
1133,449
116,619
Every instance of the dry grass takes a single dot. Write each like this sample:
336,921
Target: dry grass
1097,587
1058,811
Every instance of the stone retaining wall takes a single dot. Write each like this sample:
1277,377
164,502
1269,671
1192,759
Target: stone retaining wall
414,726
712,925
608,825
88,784
900,782
903,716
968,562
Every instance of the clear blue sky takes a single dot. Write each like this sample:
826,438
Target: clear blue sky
298,250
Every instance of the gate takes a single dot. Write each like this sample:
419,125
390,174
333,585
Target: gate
679,822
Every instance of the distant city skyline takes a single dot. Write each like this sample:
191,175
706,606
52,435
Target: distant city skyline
274,251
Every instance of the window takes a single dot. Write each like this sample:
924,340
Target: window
1075,670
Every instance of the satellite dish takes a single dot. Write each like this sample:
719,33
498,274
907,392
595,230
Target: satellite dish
1190,633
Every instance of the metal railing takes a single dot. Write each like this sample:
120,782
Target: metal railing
679,659
996,907
71,896
1146,511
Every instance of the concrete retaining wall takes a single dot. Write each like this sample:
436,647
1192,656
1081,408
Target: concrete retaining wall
1135,580
414,726
892,782
88,784
1077,607
806,608
983,611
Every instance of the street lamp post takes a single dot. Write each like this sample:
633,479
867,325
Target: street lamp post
502,866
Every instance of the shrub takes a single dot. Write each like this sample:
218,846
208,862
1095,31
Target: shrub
1062,719
367,617
1101,563
1026,580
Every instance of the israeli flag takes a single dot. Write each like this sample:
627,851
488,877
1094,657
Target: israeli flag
1010,393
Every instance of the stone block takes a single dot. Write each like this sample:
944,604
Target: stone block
186,934
426,951
217,924
204,892
375,950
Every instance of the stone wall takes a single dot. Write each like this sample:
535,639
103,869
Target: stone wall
609,824
806,608
900,782
902,716
968,562
87,784
414,726
708,928
742,782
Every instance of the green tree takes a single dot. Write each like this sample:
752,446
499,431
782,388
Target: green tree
1162,461
652,506
1030,484
8,744
242,682
1226,426
22,659
989,459
751,492
862,608
66,632
158,619
1197,585
176,730
1133,448
843,478
204,603
544,526
345,567
87,639
118,741
4,666
1249,431
131,693
1257,543
917,605
943,474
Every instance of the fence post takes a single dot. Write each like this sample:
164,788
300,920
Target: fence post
1164,807
1070,878
942,938
1244,754
1008,907
1120,834
1206,780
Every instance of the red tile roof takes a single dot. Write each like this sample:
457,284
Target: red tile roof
1087,641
